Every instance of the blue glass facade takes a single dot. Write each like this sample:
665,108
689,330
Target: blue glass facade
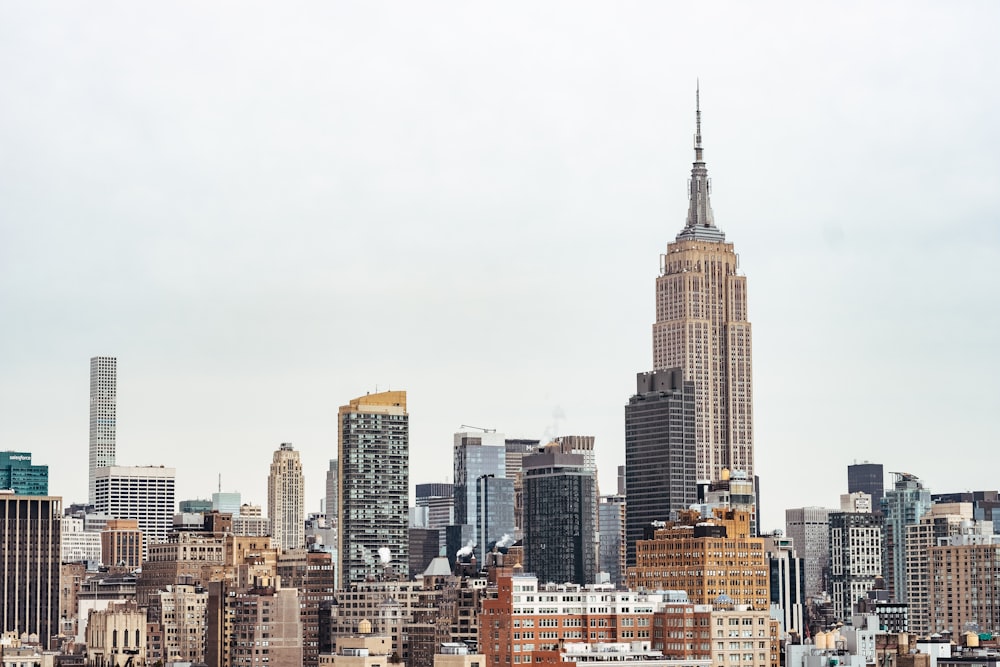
18,473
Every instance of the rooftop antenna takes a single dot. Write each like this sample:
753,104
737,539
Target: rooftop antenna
220,482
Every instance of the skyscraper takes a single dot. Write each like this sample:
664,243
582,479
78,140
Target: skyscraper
21,476
494,511
374,491
659,452
477,454
330,505
286,498
868,478
903,506
809,528
701,327
29,564
856,540
103,399
558,517
143,493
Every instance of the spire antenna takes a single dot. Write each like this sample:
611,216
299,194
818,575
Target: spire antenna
700,223
697,121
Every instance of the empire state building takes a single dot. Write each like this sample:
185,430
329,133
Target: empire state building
701,328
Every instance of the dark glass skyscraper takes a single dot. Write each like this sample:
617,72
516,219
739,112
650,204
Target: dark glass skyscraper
495,500
30,542
660,464
868,478
559,518
478,454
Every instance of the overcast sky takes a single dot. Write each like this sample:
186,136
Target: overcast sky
265,210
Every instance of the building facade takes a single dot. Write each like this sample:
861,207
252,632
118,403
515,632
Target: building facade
660,452
867,478
477,454
903,505
611,538
809,528
103,418
30,546
964,592
787,580
494,512
856,540
374,489
558,517
712,559
286,498
330,499
702,328
944,520
143,493
18,474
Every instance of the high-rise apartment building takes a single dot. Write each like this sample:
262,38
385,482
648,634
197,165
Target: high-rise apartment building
787,578
558,517
867,478
702,328
660,472
143,493
903,505
286,498
963,591
103,418
855,558
30,545
942,521
374,491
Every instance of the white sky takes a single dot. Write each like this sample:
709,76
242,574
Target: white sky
264,210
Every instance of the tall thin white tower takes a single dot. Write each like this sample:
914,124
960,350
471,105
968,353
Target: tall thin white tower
103,399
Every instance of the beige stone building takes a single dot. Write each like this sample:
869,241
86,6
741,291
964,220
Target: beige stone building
179,613
702,328
942,521
363,649
286,498
744,637
709,558
963,572
117,636
121,543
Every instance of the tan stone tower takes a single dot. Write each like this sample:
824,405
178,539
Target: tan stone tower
286,498
701,327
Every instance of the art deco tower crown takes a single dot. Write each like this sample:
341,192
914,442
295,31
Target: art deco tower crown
701,327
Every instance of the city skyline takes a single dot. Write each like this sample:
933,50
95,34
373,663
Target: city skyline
231,221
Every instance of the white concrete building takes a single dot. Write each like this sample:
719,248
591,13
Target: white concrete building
143,493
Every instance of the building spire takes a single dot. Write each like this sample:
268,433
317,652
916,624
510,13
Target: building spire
697,121
700,222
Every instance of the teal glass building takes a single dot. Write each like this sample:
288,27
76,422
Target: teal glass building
18,473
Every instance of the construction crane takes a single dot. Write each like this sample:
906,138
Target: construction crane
479,428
